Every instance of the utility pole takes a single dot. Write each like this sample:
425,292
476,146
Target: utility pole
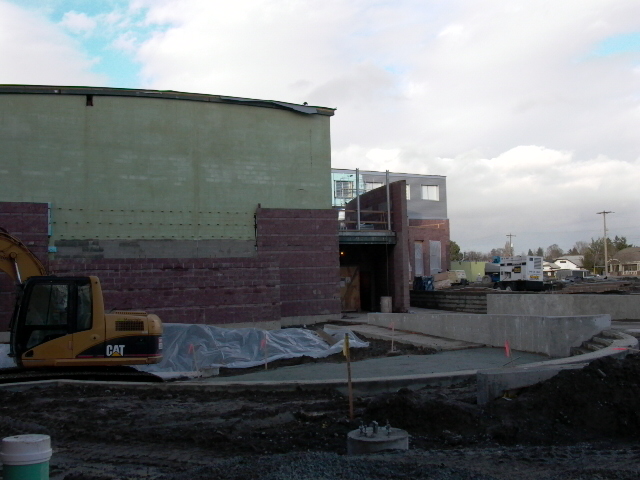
606,261
510,244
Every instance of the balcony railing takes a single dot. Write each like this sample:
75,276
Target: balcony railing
369,220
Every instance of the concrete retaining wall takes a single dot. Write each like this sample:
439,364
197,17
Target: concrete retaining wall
548,335
620,307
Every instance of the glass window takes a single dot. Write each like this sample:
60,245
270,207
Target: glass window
373,185
431,192
48,305
408,192
344,189
85,307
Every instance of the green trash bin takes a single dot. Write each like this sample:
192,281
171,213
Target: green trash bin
26,457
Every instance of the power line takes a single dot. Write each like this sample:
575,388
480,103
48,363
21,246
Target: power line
606,259
510,243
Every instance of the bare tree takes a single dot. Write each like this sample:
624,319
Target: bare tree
552,252
579,248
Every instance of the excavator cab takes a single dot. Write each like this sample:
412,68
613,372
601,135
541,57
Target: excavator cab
61,321
51,307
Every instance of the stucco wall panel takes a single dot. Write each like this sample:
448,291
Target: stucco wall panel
132,167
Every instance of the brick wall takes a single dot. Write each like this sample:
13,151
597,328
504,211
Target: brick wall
400,253
203,290
296,272
305,245
425,231
29,222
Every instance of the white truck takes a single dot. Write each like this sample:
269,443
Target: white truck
520,273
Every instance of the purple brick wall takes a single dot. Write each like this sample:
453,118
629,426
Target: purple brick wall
400,254
305,245
28,222
204,290
426,230
296,272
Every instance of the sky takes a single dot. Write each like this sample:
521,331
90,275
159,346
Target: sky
530,108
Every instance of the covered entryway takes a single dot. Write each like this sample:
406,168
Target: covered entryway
365,270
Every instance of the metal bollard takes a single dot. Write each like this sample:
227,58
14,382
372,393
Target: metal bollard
26,457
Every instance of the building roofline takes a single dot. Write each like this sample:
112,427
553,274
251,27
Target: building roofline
373,172
162,94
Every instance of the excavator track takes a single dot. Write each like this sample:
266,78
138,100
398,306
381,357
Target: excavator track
100,374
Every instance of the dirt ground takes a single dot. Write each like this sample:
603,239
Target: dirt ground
581,424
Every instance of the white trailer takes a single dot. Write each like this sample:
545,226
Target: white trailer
520,273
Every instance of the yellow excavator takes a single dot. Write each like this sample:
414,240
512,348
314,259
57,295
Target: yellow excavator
61,321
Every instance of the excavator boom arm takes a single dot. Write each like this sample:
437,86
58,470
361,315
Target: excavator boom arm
17,260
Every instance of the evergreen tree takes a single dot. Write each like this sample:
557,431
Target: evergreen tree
455,255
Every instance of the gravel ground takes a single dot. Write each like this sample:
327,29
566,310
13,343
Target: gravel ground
578,425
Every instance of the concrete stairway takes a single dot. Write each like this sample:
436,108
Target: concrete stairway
602,340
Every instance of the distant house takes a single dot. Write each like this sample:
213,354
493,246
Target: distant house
569,266
549,270
626,262
570,262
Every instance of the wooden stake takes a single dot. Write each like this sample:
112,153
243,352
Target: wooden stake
393,334
345,350
264,344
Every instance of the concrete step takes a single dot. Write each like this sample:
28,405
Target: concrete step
597,342
601,340
613,334
592,346
579,351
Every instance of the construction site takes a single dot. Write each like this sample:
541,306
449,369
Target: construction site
212,314
481,415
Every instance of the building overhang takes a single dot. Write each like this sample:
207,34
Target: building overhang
363,237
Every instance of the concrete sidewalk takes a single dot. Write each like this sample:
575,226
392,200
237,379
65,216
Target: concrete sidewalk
416,366
399,337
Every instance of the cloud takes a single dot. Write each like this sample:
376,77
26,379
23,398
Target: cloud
78,22
541,195
33,50
530,109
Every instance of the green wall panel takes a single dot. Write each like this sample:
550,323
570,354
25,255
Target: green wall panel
135,167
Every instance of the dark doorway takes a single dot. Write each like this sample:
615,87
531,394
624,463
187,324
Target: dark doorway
372,264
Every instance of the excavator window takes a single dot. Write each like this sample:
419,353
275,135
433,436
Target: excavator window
85,308
53,308
47,313
48,305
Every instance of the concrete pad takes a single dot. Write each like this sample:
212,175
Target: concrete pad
416,339
367,442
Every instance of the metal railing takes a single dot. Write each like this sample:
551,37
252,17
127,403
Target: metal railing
369,220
